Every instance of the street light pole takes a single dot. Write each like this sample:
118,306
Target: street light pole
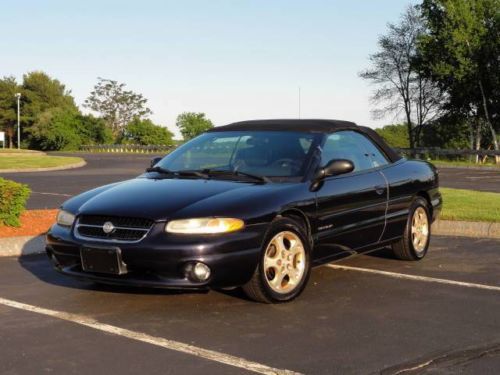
18,96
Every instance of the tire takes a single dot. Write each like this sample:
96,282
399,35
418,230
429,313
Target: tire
284,266
415,241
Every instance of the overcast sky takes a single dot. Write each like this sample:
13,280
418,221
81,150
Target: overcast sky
232,59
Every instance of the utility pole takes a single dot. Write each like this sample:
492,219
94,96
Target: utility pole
18,96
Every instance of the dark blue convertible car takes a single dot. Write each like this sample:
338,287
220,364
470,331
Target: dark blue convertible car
252,204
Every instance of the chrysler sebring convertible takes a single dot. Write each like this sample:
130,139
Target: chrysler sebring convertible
254,204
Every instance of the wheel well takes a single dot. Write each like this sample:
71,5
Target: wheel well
426,196
299,216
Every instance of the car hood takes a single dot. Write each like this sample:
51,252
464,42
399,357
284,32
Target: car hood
161,199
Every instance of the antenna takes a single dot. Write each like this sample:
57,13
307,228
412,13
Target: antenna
299,102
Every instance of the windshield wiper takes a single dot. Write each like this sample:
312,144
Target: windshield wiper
237,173
185,173
159,170
188,173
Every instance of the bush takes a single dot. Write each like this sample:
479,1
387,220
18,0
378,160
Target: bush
395,135
13,197
145,132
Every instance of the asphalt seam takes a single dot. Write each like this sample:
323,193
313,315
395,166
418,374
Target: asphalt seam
177,346
415,277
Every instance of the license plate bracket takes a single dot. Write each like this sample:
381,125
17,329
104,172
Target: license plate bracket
102,260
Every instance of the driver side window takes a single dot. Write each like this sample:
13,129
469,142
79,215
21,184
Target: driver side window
346,145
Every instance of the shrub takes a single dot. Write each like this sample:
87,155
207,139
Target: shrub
13,197
145,132
395,135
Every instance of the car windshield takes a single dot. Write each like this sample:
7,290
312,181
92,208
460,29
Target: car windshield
268,154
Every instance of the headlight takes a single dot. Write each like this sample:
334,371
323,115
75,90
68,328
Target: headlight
207,225
65,219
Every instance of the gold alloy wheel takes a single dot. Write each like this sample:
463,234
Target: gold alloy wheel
284,262
419,229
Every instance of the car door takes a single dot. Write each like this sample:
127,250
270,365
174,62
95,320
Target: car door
351,208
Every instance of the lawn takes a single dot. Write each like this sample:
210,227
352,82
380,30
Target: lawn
470,205
30,161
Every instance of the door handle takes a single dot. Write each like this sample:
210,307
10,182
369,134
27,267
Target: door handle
380,189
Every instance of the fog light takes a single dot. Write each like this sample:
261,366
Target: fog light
198,271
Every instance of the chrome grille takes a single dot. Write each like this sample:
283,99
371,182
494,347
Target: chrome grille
126,229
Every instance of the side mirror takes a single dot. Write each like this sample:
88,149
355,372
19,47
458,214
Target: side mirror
335,167
155,161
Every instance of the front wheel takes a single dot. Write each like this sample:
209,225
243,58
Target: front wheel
284,266
415,241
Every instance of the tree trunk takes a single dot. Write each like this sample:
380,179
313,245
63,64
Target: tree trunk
488,121
478,138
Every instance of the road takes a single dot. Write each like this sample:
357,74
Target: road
371,314
50,189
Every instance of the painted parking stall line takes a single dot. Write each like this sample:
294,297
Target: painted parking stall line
177,346
55,194
415,277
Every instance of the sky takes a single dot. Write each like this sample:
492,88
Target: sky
231,59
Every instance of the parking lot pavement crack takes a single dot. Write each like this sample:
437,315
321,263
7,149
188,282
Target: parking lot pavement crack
448,361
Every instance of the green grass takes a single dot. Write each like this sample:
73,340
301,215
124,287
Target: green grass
42,161
470,205
461,163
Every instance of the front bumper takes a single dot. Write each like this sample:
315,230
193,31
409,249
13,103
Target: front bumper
160,258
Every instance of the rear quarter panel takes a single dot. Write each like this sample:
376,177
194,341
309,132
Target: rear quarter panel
406,180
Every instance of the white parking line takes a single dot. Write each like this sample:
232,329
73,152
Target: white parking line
60,194
157,341
415,277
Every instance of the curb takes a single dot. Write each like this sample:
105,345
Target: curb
60,168
21,246
27,245
485,168
466,229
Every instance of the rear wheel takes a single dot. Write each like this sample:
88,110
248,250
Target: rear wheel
284,266
415,241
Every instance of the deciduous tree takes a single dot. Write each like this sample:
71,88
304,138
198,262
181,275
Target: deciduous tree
192,124
116,105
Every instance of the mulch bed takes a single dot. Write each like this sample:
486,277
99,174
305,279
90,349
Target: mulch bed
33,223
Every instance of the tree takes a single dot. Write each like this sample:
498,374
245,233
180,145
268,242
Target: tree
395,135
92,130
145,132
192,124
40,92
460,51
55,129
116,105
8,107
402,88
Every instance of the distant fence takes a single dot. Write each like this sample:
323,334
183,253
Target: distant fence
140,149
433,152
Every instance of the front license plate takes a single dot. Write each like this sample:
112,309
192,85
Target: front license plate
102,260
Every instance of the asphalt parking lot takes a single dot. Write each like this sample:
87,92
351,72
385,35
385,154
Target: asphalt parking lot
366,315
50,189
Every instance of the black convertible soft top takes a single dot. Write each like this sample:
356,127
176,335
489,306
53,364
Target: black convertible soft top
309,125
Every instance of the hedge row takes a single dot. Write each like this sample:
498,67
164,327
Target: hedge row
13,197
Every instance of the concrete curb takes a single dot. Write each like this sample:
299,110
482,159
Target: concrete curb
466,229
61,168
20,246
27,245
485,168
